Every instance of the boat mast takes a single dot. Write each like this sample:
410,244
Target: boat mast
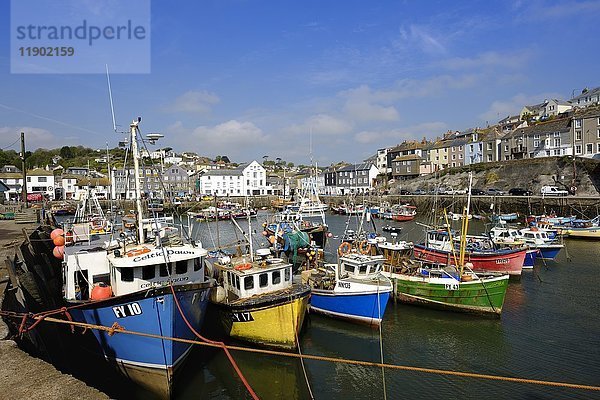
133,127
465,227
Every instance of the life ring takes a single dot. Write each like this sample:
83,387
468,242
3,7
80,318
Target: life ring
344,248
242,267
69,238
97,224
573,189
137,252
364,247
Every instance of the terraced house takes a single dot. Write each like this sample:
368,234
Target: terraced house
543,139
586,133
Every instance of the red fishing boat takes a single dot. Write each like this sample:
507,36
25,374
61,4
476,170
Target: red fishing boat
439,248
403,212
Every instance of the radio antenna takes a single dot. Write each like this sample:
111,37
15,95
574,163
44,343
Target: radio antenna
112,109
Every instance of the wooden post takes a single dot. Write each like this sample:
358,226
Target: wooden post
24,187
12,272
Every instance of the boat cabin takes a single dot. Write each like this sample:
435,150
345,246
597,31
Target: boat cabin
139,268
245,280
360,266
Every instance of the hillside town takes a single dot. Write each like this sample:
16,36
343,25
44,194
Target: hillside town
552,128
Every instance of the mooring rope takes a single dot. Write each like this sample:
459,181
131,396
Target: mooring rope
435,371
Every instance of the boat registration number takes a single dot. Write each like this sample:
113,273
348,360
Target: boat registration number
502,261
127,310
344,285
242,317
451,286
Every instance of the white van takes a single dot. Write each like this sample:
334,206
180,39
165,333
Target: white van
553,191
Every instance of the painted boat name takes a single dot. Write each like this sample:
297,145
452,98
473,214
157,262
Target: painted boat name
169,252
242,317
127,310
344,285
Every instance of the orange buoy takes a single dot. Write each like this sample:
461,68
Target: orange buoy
59,240
56,232
101,291
59,252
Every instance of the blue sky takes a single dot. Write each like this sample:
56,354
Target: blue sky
254,78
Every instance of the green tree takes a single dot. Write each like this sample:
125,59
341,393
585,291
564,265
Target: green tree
66,152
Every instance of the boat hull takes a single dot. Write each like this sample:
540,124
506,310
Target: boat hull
530,258
474,296
403,218
583,233
150,362
549,252
509,261
274,320
365,307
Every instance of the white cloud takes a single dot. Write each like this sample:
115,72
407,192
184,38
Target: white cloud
503,108
488,59
198,102
35,138
419,37
361,104
233,138
321,124
415,132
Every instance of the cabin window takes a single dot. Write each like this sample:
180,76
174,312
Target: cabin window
287,274
127,274
263,280
104,278
148,272
181,267
276,277
362,269
349,268
165,270
249,282
197,264
237,282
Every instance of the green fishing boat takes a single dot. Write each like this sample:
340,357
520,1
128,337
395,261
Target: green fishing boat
444,288
453,286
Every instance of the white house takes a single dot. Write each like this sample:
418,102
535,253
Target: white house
245,180
254,179
69,183
14,182
41,181
220,182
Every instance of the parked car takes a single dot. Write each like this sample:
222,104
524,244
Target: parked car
404,191
477,192
553,191
495,192
419,192
520,192
460,191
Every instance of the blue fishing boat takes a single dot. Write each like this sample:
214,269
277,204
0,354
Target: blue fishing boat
353,289
148,279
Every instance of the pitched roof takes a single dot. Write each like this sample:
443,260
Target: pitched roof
356,167
39,172
586,93
407,157
223,172
555,125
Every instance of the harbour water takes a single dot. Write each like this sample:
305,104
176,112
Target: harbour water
549,330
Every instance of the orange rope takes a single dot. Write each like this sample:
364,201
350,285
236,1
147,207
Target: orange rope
221,344
324,358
